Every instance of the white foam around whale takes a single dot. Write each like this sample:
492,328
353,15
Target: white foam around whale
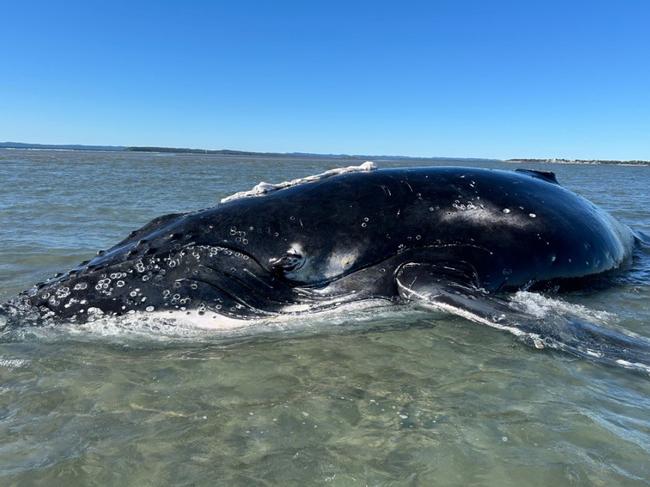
177,326
264,188
541,306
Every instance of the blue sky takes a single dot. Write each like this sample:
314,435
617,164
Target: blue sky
454,78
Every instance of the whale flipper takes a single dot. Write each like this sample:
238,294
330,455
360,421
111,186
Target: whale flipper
424,284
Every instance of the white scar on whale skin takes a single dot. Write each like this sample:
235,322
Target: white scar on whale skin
263,188
486,216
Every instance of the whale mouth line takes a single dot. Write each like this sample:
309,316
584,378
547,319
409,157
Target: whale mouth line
235,250
238,282
442,247
228,294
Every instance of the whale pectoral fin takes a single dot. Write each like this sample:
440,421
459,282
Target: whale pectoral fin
448,289
424,284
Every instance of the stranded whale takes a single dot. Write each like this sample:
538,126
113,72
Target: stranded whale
449,238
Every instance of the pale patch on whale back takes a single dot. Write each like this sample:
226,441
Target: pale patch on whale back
340,261
263,188
486,215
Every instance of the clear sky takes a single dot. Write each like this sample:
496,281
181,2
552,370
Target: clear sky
439,78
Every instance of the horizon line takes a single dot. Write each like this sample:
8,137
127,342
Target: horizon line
189,150
151,148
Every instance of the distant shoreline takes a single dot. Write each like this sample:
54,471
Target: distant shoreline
580,161
220,152
229,152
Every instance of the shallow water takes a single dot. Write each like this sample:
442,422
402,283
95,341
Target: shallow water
366,397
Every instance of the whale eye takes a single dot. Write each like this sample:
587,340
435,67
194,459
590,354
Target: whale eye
290,261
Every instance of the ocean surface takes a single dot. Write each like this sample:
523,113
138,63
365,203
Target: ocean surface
370,396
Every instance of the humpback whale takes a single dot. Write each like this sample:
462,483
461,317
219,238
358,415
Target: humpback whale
456,239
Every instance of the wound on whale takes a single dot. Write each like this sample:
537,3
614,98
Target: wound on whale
453,239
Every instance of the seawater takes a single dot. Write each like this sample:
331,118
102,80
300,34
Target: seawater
372,396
